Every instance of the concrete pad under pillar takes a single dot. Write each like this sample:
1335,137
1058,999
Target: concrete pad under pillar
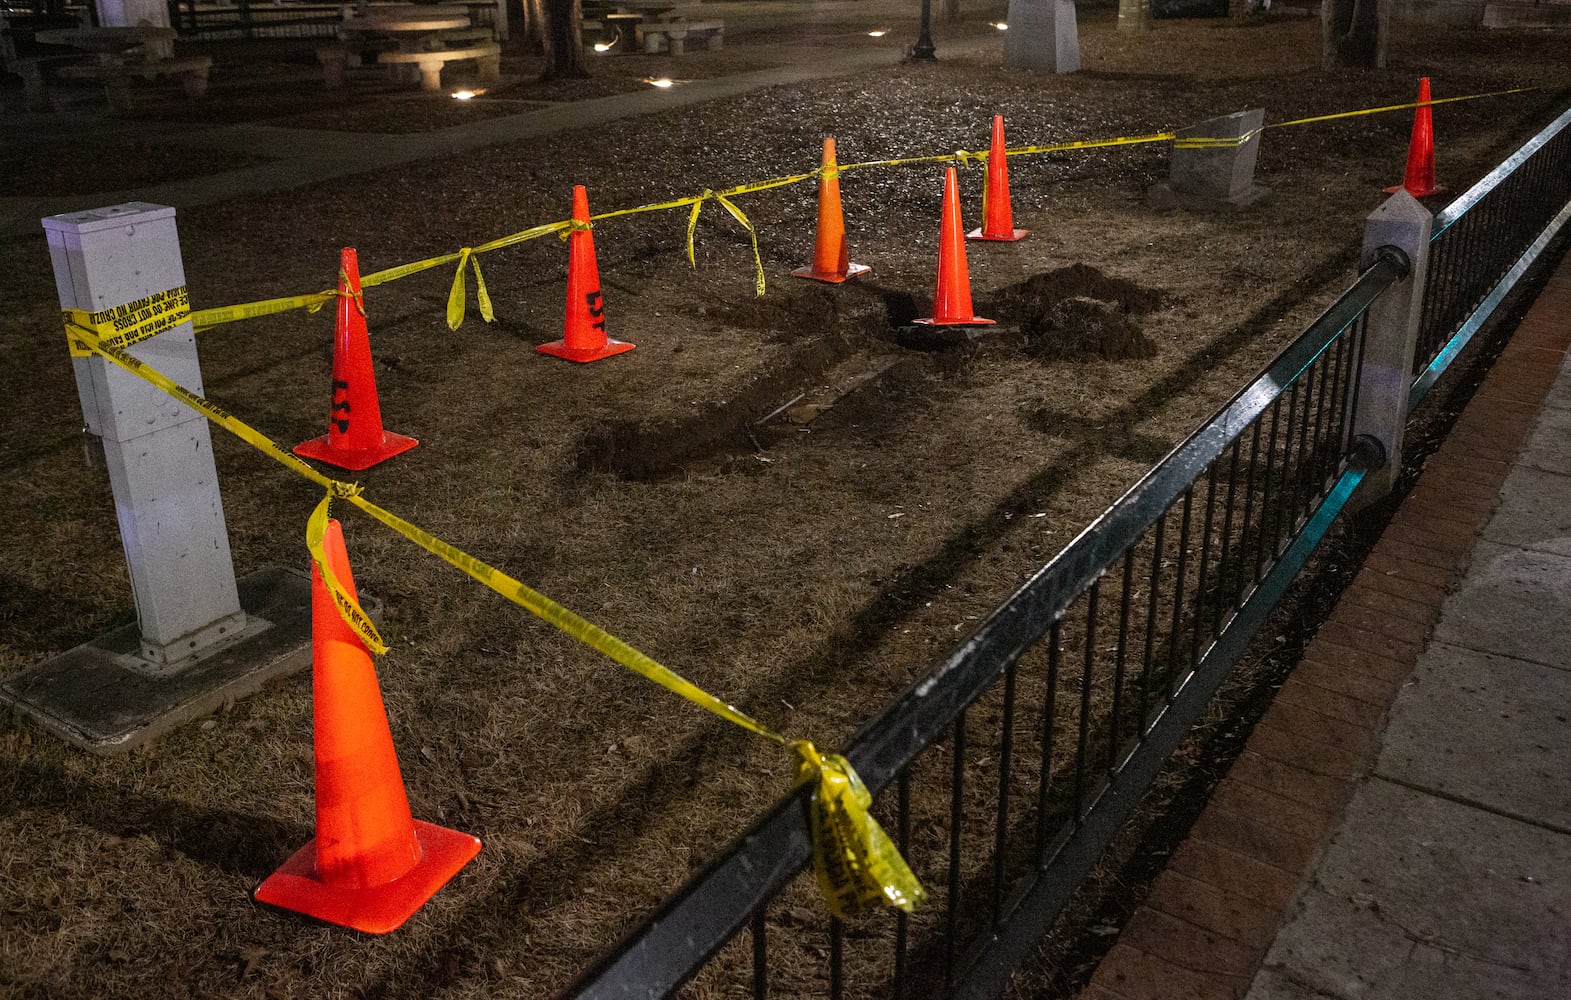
103,697
1042,36
1212,164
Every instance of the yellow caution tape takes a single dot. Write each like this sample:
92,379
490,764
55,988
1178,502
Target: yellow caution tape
455,298
736,213
133,322
863,866
1214,142
212,317
1399,107
204,318
858,867
348,605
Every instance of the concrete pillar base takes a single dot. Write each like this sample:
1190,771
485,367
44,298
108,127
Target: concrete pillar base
105,698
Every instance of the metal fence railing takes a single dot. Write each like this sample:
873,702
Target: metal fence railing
1016,761
1485,240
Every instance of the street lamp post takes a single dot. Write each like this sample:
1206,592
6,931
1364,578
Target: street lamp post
923,49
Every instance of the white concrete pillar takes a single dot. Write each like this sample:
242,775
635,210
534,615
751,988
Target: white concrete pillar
1391,338
158,451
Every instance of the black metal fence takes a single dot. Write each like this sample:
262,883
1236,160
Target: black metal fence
1483,242
1016,761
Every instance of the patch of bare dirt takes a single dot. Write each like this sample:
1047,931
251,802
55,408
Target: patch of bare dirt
774,497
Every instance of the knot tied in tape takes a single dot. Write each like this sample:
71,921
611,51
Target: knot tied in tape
344,600
858,866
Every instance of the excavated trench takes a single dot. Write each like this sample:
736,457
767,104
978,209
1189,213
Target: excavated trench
1073,313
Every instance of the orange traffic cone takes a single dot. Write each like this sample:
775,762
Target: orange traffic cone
584,337
1419,180
831,259
952,300
371,865
998,223
355,439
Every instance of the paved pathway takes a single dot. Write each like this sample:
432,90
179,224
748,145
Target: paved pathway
296,157
1399,825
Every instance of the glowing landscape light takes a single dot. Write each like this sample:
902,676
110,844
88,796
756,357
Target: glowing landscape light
663,82
880,33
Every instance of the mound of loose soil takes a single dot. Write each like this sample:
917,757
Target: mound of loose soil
772,496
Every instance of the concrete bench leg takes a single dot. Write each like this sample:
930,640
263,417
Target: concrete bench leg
335,69
35,94
652,42
119,93
195,83
715,41
678,44
490,69
431,75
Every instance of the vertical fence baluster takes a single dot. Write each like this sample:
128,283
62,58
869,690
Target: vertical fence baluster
957,788
1307,380
1116,729
760,953
1224,597
1151,619
1244,584
1265,491
836,959
903,839
1316,473
1049,724
1202,578
1001,832
1178,595
1285,483
1336,431
1085,698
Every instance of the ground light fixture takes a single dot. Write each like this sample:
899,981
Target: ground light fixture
880,33
1000,25
602,46
661,82
466,95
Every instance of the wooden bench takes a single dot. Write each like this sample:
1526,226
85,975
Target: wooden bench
671,36
116,76
487,59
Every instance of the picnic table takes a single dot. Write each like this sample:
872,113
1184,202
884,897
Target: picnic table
652,25
124,53
421,41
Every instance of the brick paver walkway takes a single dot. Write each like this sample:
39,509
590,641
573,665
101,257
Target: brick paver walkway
1212,916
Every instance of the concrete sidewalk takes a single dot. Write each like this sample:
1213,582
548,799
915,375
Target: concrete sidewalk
1451,873
1399,824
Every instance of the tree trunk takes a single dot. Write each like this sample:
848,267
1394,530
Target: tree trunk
1353,33
526,17
564,40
